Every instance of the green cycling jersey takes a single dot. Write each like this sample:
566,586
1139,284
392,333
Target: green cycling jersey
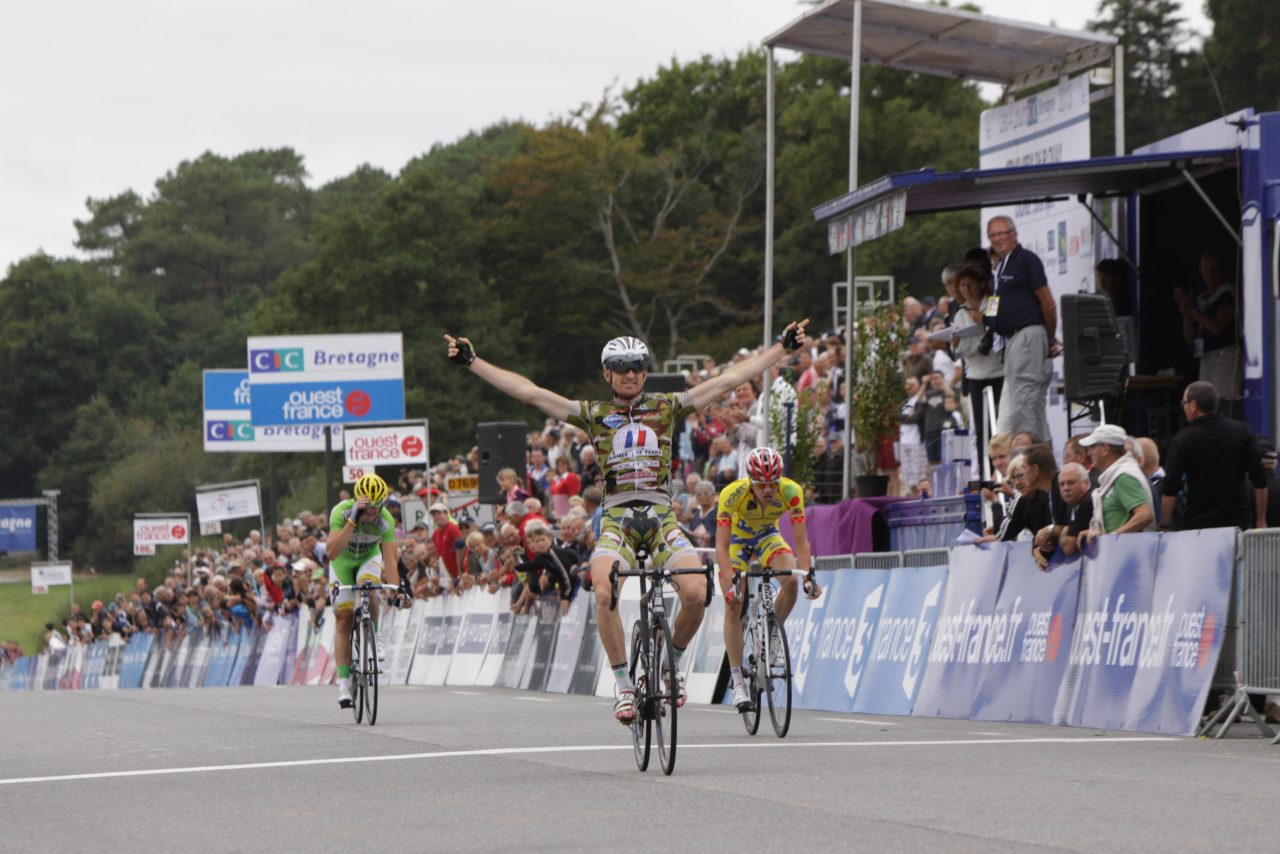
366,539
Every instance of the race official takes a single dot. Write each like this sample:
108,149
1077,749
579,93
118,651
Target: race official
1024,314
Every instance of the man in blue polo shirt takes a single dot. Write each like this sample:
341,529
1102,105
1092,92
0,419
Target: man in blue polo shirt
1026,317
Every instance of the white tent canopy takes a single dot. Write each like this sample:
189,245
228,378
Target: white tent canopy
935,40
947,42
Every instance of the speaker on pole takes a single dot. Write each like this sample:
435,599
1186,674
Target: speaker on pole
502,445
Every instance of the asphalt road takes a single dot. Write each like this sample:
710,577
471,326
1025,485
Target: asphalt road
284,769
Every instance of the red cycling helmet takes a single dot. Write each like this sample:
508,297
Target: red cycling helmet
764,465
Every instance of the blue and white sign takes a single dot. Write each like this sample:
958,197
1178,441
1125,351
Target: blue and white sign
1192,586
326,379
18,528
228,426
967,636
896,663
1118,631
1039,607
837,640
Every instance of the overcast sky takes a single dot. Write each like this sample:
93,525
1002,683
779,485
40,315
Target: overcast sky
97,98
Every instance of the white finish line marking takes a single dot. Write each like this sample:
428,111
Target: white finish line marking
593,748
864,723
533,699
468,693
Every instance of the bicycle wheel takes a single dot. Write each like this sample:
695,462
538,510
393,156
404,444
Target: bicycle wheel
370,667
750,657
357,675
641,725
664,709
778,688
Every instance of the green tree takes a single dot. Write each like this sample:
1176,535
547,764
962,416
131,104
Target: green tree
1151,33
69,335
1244,53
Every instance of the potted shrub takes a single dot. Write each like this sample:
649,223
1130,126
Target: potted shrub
875,391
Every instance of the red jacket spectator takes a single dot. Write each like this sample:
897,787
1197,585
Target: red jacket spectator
444,534
563,486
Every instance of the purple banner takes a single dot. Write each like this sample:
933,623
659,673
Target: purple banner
1022,677
967,633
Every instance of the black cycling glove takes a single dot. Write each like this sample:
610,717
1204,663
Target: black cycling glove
789,340
465,355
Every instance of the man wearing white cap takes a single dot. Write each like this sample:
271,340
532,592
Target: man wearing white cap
1122,502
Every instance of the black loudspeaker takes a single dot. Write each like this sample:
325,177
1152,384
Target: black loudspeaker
1095,353
665,383
502,446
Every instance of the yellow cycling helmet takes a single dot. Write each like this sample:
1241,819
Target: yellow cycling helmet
373,488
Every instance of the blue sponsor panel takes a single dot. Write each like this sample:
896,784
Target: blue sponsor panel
135,660
966,626
18,528
1189,614
1036,617
837,639
896,664
1115,629
226,390
334,402
245,651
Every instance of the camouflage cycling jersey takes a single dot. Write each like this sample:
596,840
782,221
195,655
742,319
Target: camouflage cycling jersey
633,443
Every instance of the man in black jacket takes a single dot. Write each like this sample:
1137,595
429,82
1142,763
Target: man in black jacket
1208,463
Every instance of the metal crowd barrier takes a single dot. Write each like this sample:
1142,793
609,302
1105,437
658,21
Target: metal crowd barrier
878,560
926,557
1254,659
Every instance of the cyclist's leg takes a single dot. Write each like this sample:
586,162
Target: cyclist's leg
679,554
776,554
371,571
344,573
612,546
733,613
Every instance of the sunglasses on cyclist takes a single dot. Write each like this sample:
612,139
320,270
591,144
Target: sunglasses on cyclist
621,365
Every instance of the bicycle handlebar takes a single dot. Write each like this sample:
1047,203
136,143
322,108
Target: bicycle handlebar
615,573
366,586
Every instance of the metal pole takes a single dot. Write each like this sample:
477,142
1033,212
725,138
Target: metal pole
1117,68
855,94
328,468
768,239
51,521
271,514
791,408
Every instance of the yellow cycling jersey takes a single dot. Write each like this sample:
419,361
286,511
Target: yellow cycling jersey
747,520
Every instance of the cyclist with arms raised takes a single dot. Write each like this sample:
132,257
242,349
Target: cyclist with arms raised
362,547
747,526
632,435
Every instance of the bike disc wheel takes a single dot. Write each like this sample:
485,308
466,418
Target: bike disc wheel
641,725
778,689
750,658
665,708
370,672
357,675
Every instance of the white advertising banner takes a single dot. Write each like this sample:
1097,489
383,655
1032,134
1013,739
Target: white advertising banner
152,531
223,501
1049,127
396,444
46,575
326,379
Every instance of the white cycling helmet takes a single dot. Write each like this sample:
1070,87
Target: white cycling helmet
623,350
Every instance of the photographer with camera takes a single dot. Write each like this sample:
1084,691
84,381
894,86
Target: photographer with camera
983,366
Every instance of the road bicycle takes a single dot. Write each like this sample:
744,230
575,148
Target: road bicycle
764,641
364,650
652,656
